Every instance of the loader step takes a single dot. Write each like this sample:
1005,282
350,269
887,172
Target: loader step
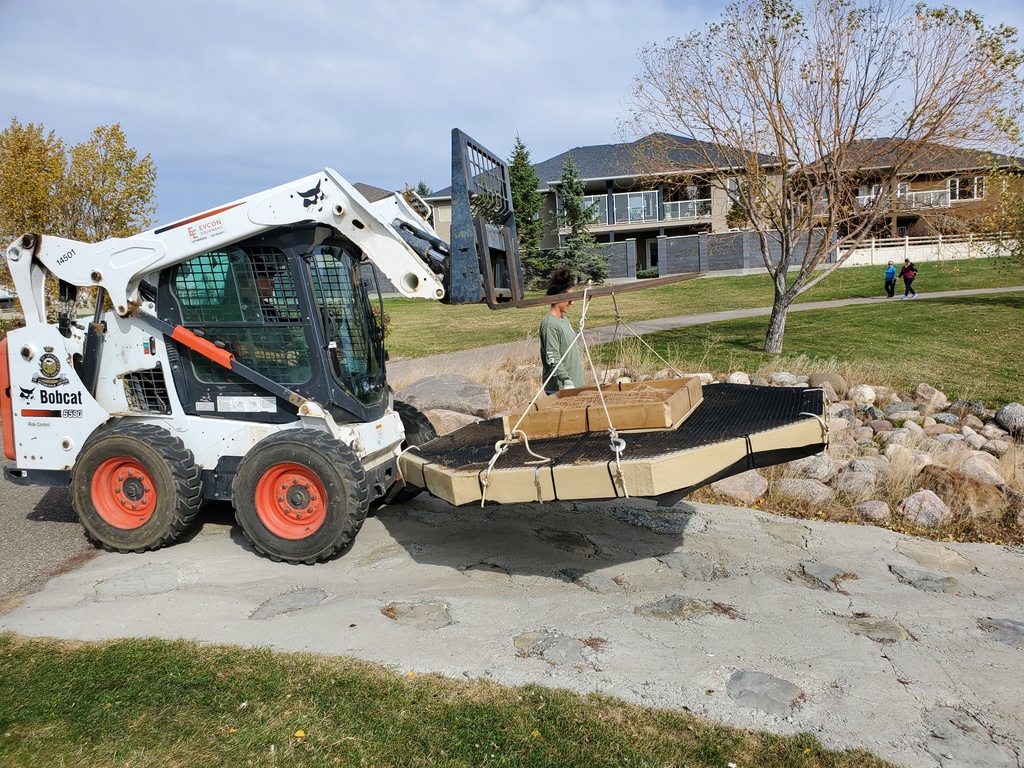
736,427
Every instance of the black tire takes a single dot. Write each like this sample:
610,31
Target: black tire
418,430
135,487
300,496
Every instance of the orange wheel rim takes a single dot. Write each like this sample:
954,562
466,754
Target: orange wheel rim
123,493
291,501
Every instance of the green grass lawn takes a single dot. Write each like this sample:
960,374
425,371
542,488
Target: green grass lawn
145,703
420,328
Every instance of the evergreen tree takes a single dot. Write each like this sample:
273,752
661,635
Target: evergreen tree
527,202
580,251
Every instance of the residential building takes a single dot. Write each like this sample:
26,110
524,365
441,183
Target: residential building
641,192
941,190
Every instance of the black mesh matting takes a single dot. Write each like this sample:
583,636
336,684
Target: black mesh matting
728,411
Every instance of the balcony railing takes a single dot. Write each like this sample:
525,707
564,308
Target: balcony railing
688,209
634,207
638,207
909,201
599,205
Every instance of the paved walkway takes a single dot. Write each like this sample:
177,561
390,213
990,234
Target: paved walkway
475,358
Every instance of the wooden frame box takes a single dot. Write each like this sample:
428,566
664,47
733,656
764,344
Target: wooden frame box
658,404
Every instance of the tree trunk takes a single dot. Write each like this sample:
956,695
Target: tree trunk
777,324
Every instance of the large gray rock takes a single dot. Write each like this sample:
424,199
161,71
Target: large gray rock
837,382
964,407
930,398
819,467
983,466
925,508
449,392
810,491
1011,418
958,489
877,511
861,394
746,487
855,485
901,406
448,421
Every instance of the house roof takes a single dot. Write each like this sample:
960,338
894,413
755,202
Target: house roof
927,158
371,193
655,155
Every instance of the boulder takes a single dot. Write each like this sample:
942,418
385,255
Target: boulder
948,418
450,392
810,491
782,378
876,511
959,490
880,425
448,421
1011,418
925,508
855,485
819,467
930,398
861,394
982,466
963,407
746,487
837,382
899,407
738,377
997,448
829,392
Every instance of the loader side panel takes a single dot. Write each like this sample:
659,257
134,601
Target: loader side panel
6,409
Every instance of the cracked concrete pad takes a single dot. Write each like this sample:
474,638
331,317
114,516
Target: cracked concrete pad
486,572
551,646
693,565
1006,631
791,533
570,541
823,576
876,628
153,579
957,740
595,582
932,555
423,615
385,552
289,602
682,608
666,523
760,690
928,582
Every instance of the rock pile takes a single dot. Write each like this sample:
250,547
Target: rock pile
951,456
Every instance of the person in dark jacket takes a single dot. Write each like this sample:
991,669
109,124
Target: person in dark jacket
908,273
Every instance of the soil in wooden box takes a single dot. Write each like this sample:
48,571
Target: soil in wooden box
657,404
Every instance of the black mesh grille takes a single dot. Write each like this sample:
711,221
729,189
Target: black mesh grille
729,411
147,391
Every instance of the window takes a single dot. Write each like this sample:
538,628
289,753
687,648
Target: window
246,301
967,188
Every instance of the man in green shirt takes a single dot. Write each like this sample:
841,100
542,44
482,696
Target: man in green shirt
557,336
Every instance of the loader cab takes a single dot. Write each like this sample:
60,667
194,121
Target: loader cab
290,305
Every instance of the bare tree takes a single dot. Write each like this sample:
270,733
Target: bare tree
796,104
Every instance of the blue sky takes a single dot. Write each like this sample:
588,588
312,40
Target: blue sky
230,97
